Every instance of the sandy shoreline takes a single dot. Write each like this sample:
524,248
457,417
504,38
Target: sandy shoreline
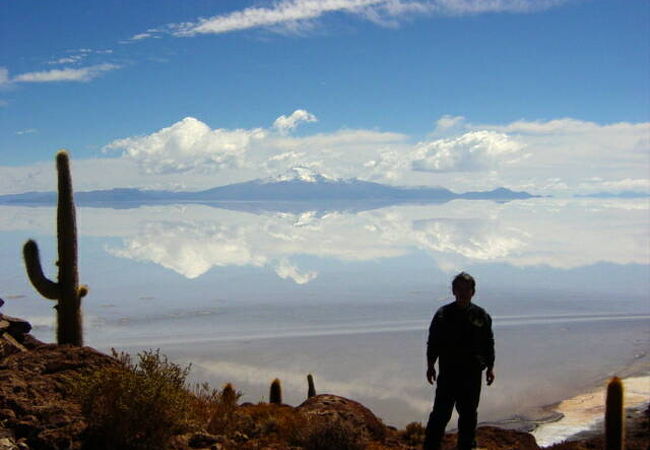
584,413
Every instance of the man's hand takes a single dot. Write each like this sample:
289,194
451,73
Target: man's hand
431,374
489,376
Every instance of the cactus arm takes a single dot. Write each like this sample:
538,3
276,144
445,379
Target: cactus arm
43,285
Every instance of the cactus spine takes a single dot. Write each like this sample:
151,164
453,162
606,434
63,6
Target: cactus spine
275,396
614,422
66,290
312,389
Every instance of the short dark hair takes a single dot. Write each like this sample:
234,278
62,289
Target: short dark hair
463,278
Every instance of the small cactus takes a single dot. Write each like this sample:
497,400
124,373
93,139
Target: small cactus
66,290
275,396
614,419
312,389
228,395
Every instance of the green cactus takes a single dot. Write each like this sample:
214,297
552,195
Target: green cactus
312,389
614,419
67,290
275,396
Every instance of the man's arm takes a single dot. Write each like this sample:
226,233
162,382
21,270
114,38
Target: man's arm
488,350
433,343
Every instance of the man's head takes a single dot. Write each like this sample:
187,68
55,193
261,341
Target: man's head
463,287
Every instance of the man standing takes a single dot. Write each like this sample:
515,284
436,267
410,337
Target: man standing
461,340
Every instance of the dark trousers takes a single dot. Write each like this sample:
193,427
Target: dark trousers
462,389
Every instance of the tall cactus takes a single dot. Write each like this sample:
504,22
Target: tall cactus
614,419
311,390
275,394
67,290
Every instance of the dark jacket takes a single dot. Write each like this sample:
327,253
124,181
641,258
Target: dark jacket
461,338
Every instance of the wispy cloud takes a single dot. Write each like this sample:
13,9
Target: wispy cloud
295,15
286,12
27,131
82,74
77,56
67,60
4,76
141,36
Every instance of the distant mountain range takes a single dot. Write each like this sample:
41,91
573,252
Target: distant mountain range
314,189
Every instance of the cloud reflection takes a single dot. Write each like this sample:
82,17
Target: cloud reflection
557,233
192,239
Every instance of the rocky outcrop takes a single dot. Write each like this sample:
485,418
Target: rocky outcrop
13,334
36,408
347,411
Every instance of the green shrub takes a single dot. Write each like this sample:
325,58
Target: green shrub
136,405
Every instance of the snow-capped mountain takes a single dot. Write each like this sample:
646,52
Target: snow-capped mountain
298,184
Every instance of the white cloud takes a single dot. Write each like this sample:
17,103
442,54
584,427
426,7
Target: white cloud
141,36
68,74
298,15
192,239
27,131
557,157
286,270
465,7
188,145
287,12
473,151
287,123
68,59
597,184
446,122
4,76
189,248
191,146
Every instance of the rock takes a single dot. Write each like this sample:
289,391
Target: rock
203,440
35,400
348,411
14,326
240,437
493,437
8,444
7,414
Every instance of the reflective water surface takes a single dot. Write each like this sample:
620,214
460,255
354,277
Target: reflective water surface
248,293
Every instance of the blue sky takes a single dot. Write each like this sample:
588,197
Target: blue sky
548,96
